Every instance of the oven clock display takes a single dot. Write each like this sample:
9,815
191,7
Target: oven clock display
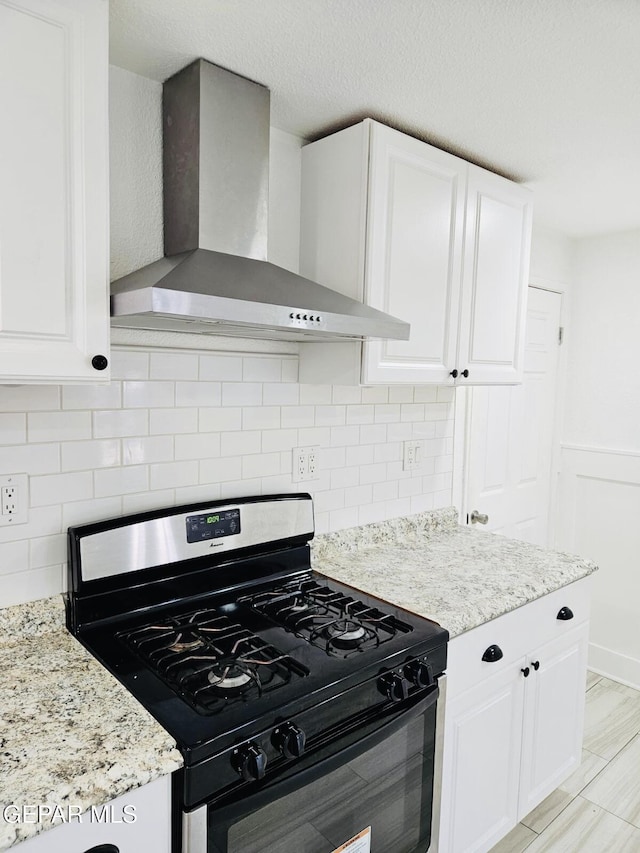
213,525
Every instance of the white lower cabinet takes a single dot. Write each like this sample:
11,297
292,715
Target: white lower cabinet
513,725
111,829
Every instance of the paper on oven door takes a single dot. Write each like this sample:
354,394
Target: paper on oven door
360,843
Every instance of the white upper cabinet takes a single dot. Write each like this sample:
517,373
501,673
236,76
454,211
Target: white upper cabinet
54,316
424,236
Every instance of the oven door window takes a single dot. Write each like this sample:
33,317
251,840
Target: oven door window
388,787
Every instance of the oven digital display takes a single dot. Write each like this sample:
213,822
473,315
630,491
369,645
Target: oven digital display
213,525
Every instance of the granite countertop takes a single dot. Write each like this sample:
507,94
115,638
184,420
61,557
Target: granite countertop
457,576
70,733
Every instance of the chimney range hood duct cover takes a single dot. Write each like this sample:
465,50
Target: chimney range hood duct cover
214,277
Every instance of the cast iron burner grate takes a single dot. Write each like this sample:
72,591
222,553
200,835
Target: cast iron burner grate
211,661
337,623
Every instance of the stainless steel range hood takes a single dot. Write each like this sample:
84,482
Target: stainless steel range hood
214,277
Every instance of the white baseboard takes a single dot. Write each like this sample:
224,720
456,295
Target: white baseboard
614,665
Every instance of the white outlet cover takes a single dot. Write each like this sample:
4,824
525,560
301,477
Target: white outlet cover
20,482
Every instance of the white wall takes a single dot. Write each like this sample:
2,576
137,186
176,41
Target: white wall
179,425
600,462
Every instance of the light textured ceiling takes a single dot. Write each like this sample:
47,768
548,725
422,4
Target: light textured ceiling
543,91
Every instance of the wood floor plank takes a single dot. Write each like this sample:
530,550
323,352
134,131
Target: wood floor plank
584,827
589,768
617,788
548,810
516,841
592,678
612,718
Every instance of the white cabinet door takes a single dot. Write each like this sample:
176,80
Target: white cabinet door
415,227
54,314
483,733
150,805
553,716
494,287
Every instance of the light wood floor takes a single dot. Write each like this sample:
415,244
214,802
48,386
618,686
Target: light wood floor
597,810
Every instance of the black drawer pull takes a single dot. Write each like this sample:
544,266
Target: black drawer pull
103,848
536,665
525,671
564,614
492,654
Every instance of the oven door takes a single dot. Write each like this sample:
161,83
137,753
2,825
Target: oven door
366,792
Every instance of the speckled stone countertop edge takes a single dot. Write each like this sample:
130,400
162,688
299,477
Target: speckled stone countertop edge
70,732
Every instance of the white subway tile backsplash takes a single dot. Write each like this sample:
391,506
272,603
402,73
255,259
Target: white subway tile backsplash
261,417
445,394
204,445
260,465
55,426
373,433
85,455
280,394
263,369
145,449
92,396
173,365
47,550
30,458
88,511
187,426
172,421
121,481
221,368
198,393
146,395
30,584
29,398
171,475
119,423
345,395
241,394
238,443
13,556
298,416
219,420
53,489
400,394
279,439
330,415
343,436
129,364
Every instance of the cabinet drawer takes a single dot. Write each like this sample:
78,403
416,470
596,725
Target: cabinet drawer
516,634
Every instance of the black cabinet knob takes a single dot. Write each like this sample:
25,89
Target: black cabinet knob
465,373
99,362
289,740
419,673
536,665
453,373
103,848
250,762
492,654
525,671
394,686
564,614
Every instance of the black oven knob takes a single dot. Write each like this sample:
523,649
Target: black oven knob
289,740
394,686
419,673
250,762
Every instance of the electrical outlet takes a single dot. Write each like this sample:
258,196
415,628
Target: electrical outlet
13,499
306,464
413,452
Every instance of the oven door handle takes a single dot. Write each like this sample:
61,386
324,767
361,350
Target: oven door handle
271,791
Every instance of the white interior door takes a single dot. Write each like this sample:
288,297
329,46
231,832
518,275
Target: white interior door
510,434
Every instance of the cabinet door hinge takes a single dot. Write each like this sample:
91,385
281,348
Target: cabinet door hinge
560,335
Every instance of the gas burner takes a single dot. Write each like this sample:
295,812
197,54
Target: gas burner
345,633
211,661
325,617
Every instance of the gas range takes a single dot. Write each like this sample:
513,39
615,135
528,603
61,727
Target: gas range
211,615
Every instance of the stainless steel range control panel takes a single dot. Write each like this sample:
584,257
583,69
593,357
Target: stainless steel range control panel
213,525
